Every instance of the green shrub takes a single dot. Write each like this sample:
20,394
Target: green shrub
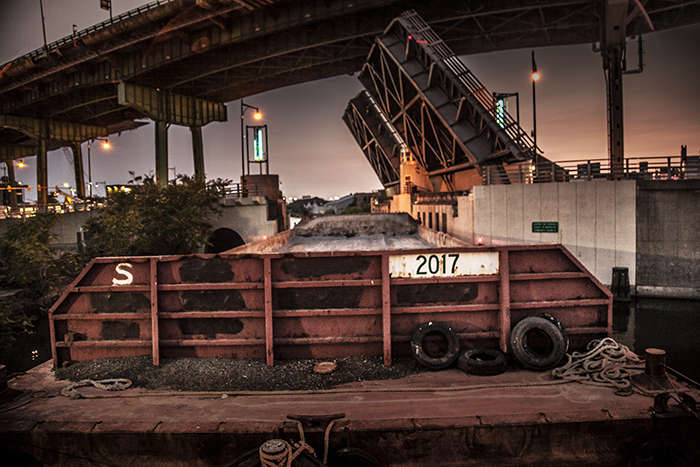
154,220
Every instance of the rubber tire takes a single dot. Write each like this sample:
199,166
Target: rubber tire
435,363
493,364
529,359
554,320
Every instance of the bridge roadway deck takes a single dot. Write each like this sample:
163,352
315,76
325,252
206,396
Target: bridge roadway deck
510,420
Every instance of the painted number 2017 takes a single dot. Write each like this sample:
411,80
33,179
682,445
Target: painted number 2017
434,264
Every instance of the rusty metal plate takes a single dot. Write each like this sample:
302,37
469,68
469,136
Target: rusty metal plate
444,264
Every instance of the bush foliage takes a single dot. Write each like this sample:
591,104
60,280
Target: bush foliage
34,272
147,220
154,220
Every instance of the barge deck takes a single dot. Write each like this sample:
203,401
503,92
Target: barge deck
435,418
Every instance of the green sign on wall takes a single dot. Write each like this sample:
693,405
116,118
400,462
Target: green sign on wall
545,227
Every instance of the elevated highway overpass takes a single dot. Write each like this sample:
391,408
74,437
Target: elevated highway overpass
178,61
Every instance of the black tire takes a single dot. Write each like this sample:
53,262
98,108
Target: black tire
482,362
440,362
558,324
530,357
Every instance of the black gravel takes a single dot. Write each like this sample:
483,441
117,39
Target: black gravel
215,374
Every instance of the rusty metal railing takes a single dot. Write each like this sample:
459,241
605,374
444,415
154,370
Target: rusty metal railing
41,51
238,190
636,168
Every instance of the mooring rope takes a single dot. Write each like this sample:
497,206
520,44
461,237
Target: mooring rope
286,456
116,384
604,363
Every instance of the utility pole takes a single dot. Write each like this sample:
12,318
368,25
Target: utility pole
43,24
107,5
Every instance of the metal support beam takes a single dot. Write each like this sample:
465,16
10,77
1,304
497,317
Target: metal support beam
616,134
170,107
161,153
78,167
198,152
51,129
12,181
612,50
9,152
42,175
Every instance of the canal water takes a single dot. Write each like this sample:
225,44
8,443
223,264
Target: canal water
673,325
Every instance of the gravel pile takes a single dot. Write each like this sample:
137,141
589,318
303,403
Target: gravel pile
214,374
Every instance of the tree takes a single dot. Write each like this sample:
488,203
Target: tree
33,271
153,220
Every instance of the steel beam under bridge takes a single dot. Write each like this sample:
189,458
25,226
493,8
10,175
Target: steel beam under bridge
164,108
48,134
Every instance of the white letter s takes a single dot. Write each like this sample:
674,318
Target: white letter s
128,277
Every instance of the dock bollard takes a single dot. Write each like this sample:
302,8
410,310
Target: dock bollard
655,362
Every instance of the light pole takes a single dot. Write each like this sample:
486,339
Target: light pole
105,145
535,77
43,24
257,115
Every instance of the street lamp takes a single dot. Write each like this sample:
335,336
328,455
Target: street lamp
257,115
534,77
106,146
21,164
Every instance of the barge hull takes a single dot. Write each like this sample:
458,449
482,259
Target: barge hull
248,304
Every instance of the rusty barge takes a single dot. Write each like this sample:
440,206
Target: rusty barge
330,289
287,298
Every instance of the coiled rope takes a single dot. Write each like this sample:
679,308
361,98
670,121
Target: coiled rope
116,384
604,363
286,456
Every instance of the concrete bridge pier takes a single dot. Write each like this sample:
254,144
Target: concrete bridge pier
166,108
42,175
161,153
12,182
78,169
198,152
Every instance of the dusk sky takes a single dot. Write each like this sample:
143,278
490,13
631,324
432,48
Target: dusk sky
314,153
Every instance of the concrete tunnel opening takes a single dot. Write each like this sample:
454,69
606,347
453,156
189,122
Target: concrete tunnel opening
223,239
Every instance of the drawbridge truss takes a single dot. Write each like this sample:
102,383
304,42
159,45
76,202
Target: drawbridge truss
376,137
445,115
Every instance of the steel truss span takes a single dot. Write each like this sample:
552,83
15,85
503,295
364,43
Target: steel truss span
377,138
444,113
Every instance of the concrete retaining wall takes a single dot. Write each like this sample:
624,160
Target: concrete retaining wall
668,238
596,220
248,217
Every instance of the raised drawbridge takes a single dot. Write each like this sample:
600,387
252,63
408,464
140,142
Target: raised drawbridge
443,114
